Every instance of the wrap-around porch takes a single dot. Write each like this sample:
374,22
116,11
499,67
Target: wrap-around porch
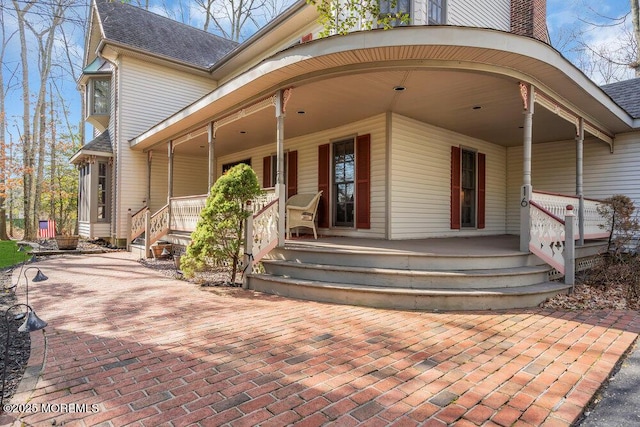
486,111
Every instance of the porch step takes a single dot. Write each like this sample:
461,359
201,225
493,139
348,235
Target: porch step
393,259
408,299
410,278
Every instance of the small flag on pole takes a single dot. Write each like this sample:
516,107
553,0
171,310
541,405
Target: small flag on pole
47,229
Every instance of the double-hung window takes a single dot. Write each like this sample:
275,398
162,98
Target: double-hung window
436,12
396,8
100,96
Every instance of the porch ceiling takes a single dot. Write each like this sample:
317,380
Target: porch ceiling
446,71
447,99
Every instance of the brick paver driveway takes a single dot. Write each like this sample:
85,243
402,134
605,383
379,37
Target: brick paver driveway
126,346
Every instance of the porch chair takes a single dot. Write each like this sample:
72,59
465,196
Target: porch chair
301,212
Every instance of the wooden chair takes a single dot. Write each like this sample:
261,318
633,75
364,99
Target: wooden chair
301,212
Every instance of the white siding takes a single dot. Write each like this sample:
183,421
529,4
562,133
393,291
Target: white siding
480,13
142,91
189,177
421,181
307,147
554,166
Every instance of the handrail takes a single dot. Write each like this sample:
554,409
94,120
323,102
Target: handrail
551,193
137,223
267,206
546,211
159,224
193,196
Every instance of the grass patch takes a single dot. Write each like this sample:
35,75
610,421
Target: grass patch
9,254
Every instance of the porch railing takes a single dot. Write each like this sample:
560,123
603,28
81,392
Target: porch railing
185,212
593,222
554,227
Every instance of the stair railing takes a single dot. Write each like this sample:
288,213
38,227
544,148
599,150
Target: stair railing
261,235
136,224
548,239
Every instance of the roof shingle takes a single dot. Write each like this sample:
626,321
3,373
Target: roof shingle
155,34
626,94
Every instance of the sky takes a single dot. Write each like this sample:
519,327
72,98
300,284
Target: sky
563,17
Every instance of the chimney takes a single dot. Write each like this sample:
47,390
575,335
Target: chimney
529,18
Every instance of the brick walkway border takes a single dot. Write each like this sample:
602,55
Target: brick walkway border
127,347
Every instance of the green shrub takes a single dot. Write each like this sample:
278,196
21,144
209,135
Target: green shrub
218,235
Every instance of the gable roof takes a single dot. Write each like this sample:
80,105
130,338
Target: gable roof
140,29
626,94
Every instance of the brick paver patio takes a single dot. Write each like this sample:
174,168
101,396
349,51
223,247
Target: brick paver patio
128,347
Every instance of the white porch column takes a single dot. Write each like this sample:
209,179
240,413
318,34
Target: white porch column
579,178
212,159
149,164
281,190
170,184
527,92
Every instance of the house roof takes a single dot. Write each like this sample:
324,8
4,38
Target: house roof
99,146
143,30
626,94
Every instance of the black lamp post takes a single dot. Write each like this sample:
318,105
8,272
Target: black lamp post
21,248
39,277
32,323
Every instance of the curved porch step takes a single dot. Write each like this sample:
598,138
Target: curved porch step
410,279
407,299
401,259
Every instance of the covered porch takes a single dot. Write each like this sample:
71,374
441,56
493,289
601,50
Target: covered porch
411,110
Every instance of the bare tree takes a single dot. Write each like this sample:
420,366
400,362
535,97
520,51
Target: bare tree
605,47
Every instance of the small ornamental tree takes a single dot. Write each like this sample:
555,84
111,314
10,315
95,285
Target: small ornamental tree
218,234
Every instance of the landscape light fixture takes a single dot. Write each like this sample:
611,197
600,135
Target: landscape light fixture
21,248
39,277
32,323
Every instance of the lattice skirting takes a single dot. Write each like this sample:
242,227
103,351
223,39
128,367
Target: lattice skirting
582,264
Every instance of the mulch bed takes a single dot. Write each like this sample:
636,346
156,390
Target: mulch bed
20,342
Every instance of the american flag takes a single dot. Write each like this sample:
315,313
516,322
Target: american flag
47,229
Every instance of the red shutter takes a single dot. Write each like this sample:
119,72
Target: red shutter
455,188
292,173
324,153
482,174
266,172
363,181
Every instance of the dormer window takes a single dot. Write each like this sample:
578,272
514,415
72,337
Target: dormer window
99,95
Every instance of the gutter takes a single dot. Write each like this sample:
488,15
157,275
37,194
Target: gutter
104,42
